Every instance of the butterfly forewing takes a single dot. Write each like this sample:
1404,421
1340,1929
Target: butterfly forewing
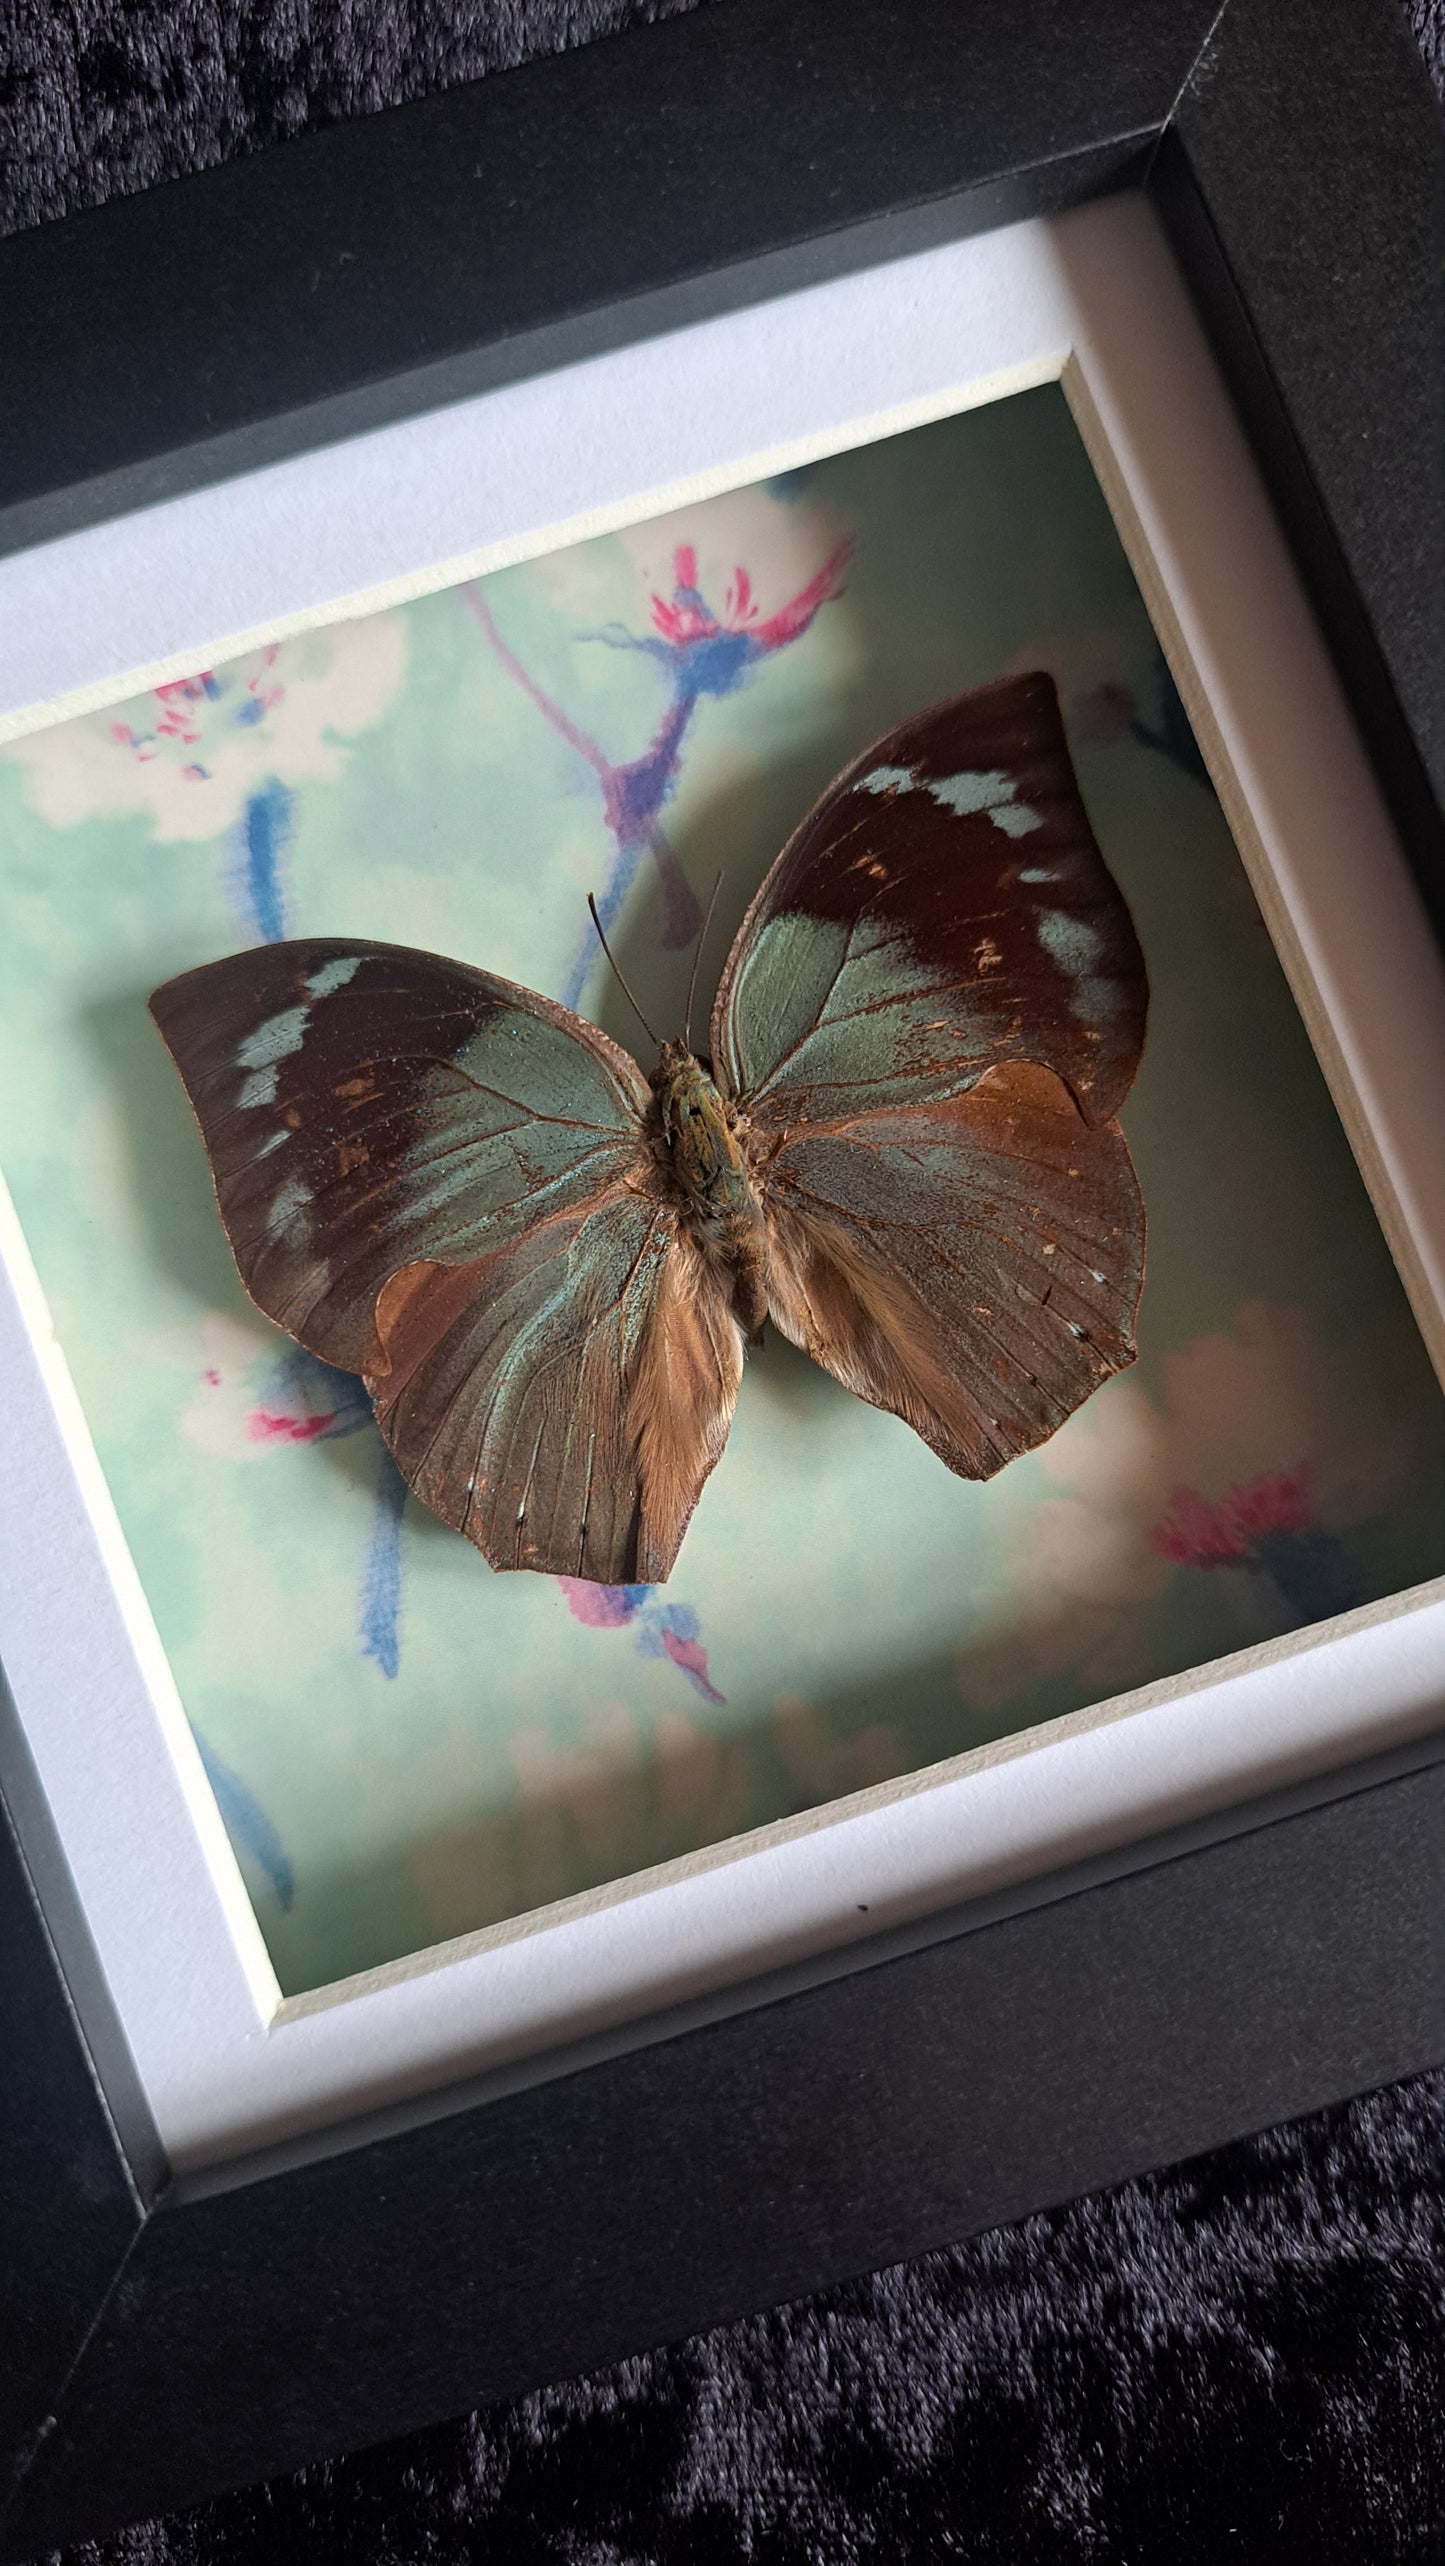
942,909
442,1181
363,1105
930,1013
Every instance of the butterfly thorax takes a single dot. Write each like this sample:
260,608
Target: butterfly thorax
712,1182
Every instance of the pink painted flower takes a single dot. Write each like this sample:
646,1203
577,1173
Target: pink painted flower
710,654
601,1607
1262,1449
1268,1525
189,755
661,1629
265,1426
1195,1534
1279,1502
690,1657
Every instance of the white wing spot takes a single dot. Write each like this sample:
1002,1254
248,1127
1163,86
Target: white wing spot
1072,943
887,779
274,1041
333,976
986,789
259,1088
1015,819
989,790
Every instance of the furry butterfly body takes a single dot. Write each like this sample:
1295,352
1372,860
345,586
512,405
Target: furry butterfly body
903,1149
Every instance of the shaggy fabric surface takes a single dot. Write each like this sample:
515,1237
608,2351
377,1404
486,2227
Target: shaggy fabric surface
99,98
1242,2358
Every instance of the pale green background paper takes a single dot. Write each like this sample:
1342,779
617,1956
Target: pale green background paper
862,1613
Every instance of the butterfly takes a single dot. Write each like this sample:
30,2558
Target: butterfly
902,1149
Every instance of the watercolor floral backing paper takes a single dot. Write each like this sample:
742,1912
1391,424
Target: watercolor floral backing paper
405,1746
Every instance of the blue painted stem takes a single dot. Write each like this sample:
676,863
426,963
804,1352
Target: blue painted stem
246,1822
381,1579
589,951
266,830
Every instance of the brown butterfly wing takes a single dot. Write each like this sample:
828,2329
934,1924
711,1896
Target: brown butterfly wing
973,1266
441,1181
929,1016
562,1401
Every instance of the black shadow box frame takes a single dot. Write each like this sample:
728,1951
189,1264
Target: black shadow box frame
168,2339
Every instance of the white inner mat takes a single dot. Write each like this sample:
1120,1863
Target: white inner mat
1093,297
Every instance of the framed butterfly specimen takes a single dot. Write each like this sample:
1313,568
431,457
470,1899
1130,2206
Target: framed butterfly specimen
903,1150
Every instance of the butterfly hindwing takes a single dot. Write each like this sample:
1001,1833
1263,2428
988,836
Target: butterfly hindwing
929,1015
562,1400
441,1181
973,1266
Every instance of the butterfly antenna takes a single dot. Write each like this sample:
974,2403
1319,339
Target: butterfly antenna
626,992
696,959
